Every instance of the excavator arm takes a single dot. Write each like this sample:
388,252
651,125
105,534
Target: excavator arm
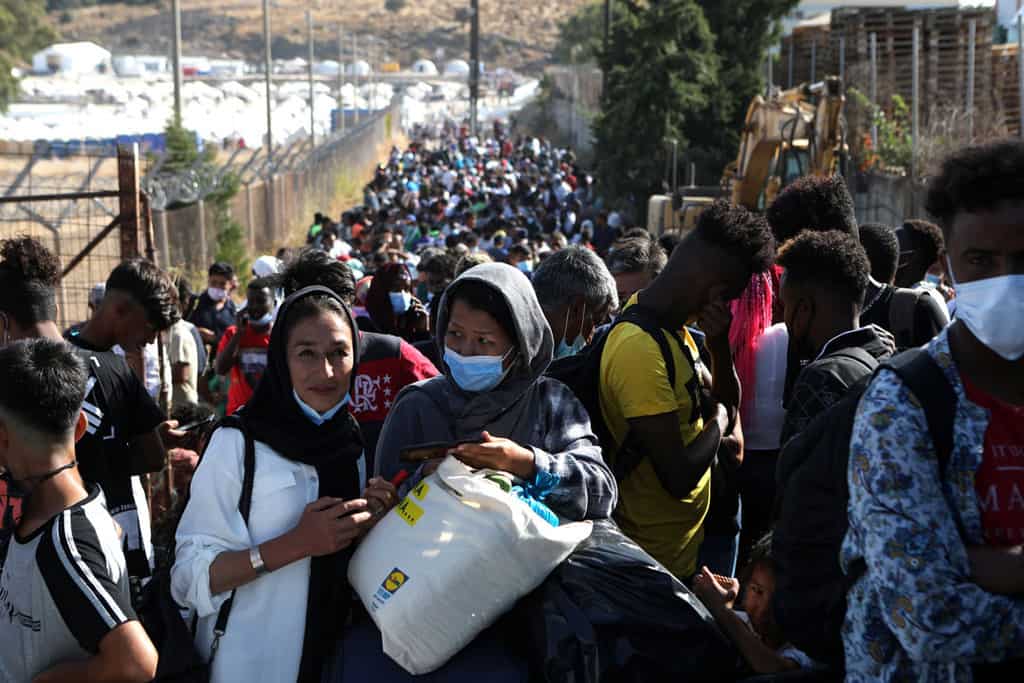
804,121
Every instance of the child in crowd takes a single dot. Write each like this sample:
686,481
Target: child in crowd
753,630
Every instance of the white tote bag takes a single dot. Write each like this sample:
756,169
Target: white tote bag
449,560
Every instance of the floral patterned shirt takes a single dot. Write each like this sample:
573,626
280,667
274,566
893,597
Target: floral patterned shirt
915,614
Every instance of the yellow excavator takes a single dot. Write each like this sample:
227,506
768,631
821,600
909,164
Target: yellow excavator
791,133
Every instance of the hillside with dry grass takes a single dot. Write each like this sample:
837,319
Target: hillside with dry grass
514,33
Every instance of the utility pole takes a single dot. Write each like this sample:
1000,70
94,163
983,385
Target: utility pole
915,121
607,41
341,80
1020,70
972,33
874,89
268,67
309,73
176,59
355,80
474,64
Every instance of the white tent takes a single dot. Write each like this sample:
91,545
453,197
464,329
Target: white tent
359,68
425,67
326,68
72,58
456,67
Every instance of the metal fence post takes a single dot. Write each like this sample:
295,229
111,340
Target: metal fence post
842,58
165,243
814,59
972,29
916,97
249,222
792,42
874,88
1020,70
128,199
204,254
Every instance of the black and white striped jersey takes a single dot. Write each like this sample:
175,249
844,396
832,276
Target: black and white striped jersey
62,590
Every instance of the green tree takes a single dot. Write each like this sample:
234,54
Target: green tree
661,65
23,31
182,149
182,156
744,31
584,30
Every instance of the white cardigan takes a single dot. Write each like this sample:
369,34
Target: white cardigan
264,637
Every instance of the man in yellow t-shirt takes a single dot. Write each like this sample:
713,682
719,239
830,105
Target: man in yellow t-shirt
663,499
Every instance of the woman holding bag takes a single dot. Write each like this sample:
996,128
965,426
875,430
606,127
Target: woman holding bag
281,565
497,345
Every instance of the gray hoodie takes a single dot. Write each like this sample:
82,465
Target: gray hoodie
536,412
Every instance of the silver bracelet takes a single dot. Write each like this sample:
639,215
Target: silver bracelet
256,561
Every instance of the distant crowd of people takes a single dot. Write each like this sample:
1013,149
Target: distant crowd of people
815,425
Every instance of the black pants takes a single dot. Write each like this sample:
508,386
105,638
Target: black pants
755,481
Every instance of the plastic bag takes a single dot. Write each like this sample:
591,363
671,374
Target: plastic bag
610,612
450,559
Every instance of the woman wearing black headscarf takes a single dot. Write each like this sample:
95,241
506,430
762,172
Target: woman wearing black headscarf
289,562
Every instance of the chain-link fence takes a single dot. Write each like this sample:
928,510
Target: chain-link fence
73,206
67,207
277,200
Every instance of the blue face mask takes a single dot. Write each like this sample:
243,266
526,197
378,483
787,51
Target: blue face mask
475,373
400,302
565,349
264,321
568,350
932,279
315,417
525,266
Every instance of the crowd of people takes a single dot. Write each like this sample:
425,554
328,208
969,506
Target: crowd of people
815,425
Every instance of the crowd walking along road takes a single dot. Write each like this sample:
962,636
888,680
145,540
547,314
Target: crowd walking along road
482,427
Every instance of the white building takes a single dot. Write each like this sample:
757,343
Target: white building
72,59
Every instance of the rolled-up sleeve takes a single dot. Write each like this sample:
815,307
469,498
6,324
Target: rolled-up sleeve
211,523
902,526
587,487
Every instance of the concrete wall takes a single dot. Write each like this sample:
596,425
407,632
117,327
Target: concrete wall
887,199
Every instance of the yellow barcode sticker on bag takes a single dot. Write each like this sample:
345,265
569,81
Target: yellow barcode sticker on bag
409,511
421,490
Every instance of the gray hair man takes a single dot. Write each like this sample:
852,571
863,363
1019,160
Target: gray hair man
577,293
634,263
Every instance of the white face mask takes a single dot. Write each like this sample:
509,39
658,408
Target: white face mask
993,310
216,293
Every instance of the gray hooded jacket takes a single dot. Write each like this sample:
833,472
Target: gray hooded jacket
536,412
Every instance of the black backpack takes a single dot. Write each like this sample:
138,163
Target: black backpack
811,507
160,615
582,374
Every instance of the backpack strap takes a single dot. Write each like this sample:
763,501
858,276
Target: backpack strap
902,311
629,455
927,382
245,507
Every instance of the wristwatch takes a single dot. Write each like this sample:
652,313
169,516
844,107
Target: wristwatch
256,561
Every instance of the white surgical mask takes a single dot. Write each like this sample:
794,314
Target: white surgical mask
993,310
315,417
216,293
